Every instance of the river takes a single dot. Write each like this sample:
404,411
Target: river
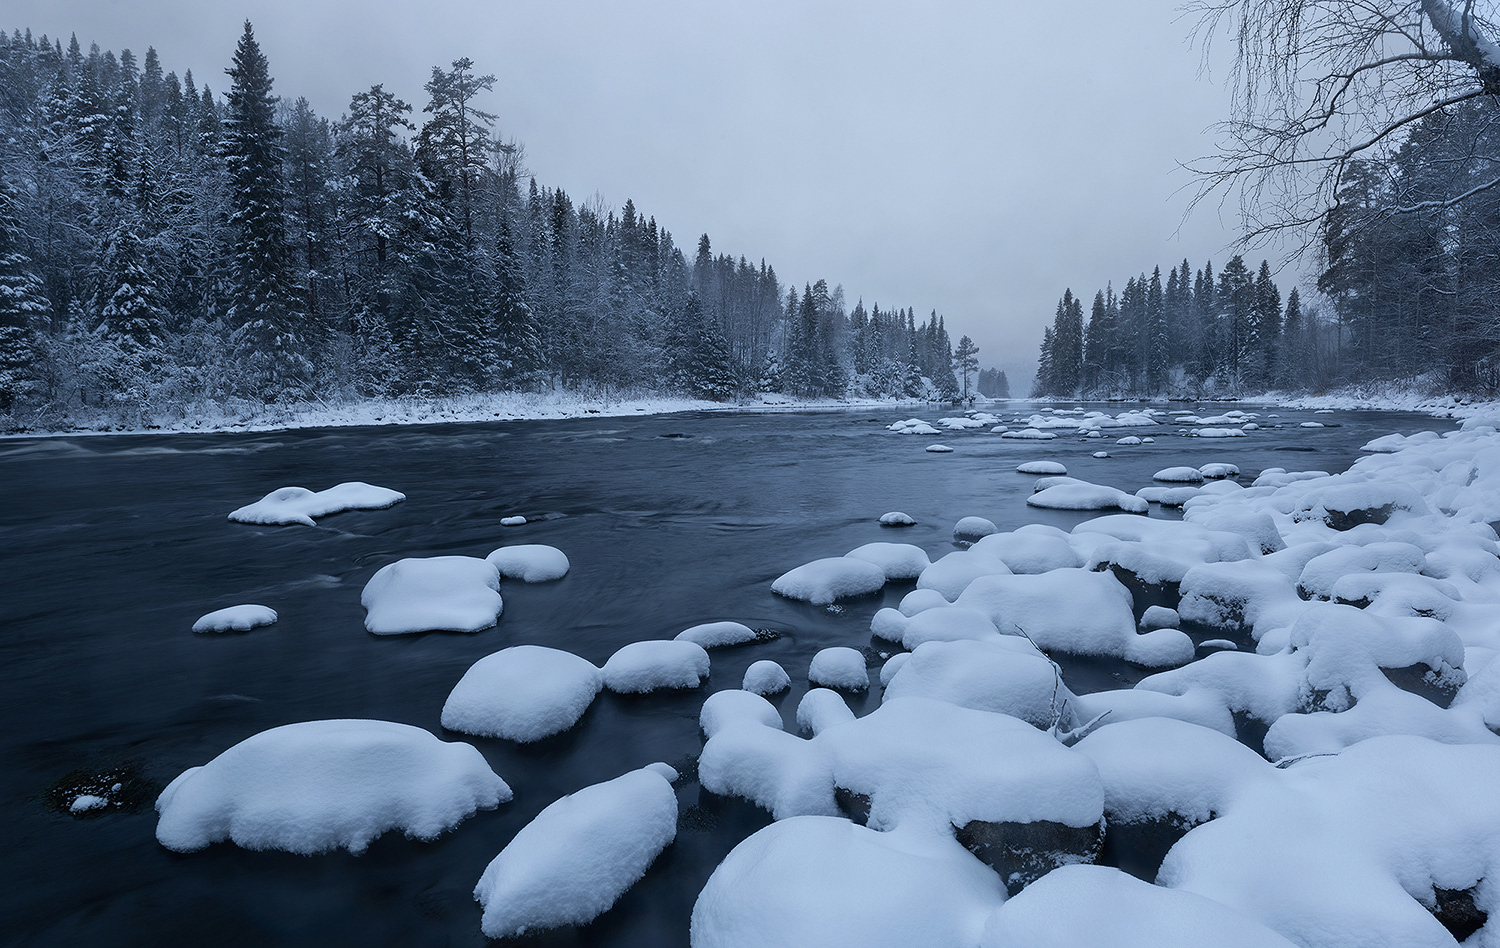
114,545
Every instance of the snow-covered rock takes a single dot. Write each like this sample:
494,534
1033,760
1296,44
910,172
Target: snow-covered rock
515,521
647,666
436,593
1179,475
938,449
522,693
1085,496
1219,469
236,619
719,634
896,518
816,880
1042,467
287,505
839,667
530,562
1029,434
579,855
899,561
765,677
324,785
972,528
827,580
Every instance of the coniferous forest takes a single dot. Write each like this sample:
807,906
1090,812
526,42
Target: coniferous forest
1408,284
164,248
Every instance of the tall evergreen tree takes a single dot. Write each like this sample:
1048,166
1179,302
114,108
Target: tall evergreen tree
265,313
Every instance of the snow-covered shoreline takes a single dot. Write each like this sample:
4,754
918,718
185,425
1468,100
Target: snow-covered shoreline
505,406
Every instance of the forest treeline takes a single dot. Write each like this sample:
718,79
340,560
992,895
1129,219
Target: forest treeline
1409,288
162,247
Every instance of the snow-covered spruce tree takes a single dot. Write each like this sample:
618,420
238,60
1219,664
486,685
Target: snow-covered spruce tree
127,301
519,343
265,314
966,362
23,306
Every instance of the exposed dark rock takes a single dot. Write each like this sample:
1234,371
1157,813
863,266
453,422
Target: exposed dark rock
1143,594
1457,912
1421,680
1139,848
856,806
1024,852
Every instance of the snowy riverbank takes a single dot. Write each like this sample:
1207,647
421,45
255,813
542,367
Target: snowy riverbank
503,406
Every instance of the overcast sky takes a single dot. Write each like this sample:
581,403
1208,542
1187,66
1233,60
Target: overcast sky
969,156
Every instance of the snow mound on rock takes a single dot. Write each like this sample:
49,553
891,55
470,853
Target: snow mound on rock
900,561
1082,495
1029,434
579,855
939,449
1179,475
236,619
765,677
530,562
718,634
1104,907
647,666
287,505
435,593
1042,467
523,693
839,667
972,528
824,581
815,880
325,785
896,518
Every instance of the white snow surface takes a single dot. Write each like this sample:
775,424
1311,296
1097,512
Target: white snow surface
522,693
236,619
816,880
718,634
435,593
899,561
827,580
572,862
323,785
530,562
839,667
1085,496
1103,907
765,677
288,505
655,664
1042,467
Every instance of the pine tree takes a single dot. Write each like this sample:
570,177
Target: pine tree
966,361
23,306
127,301
454,146
264,313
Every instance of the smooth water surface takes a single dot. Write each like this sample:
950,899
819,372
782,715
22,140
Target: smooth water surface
112,546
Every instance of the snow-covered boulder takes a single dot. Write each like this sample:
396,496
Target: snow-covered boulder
522,693
325,785
1042,467
1004,674
1077,611
900,561
765,677
579,855
436,593
1029,434
1103,907
1031,549
719,634
939,449
1218,470
839,667
530,562
287,505
816,880
1085,496
236,619
513,521
972,528
824,581
896,518
647,666
952,574
1179,475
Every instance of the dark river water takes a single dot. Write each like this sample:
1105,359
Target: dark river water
112,546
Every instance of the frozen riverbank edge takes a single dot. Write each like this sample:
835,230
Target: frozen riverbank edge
505,406
529,406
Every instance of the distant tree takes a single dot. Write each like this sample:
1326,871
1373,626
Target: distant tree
965,361
453,148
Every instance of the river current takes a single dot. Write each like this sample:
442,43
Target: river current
111,546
